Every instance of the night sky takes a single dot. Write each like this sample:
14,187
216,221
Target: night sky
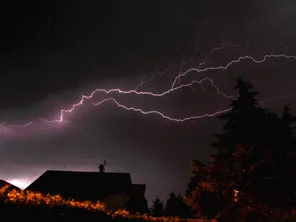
52,52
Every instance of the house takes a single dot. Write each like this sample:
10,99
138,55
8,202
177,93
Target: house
115,190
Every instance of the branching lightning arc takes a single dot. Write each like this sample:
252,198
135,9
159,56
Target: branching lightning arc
175,86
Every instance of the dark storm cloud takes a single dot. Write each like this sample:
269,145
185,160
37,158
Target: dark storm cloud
75,47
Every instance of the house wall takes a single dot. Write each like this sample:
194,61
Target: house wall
116,201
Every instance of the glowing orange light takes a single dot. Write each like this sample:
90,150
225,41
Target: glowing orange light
37,198
235,195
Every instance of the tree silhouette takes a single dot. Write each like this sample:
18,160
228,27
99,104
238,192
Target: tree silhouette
286,130
240,146
251,165
184,210
283,156
244,123
138,205
171,206
200,197
175,206
143,206
157,209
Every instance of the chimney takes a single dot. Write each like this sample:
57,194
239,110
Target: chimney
102,168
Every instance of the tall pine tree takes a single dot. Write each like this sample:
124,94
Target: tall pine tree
176,207
244,134
243,123
171,207
249,168
157,209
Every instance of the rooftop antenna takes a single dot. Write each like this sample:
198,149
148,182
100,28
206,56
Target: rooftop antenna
102,167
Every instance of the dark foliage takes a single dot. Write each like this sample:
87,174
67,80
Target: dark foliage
27,212
157,209
201,200
171,206
138,206
251,173
176,207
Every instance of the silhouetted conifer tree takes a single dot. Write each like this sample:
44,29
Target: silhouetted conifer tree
138,205
157,209
244,123
284,158
184,211
171,206
250,166
144,207
240,146
141,206
175,206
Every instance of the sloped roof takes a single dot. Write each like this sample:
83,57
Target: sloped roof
4,183
81,185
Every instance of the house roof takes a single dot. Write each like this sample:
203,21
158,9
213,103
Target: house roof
81,185
4,183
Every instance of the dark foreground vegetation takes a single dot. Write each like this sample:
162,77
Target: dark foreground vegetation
34,206
63,213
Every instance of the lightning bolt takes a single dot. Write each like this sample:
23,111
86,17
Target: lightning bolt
164,93
152,77
15,125
159,113
232,62
172,89
147,93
